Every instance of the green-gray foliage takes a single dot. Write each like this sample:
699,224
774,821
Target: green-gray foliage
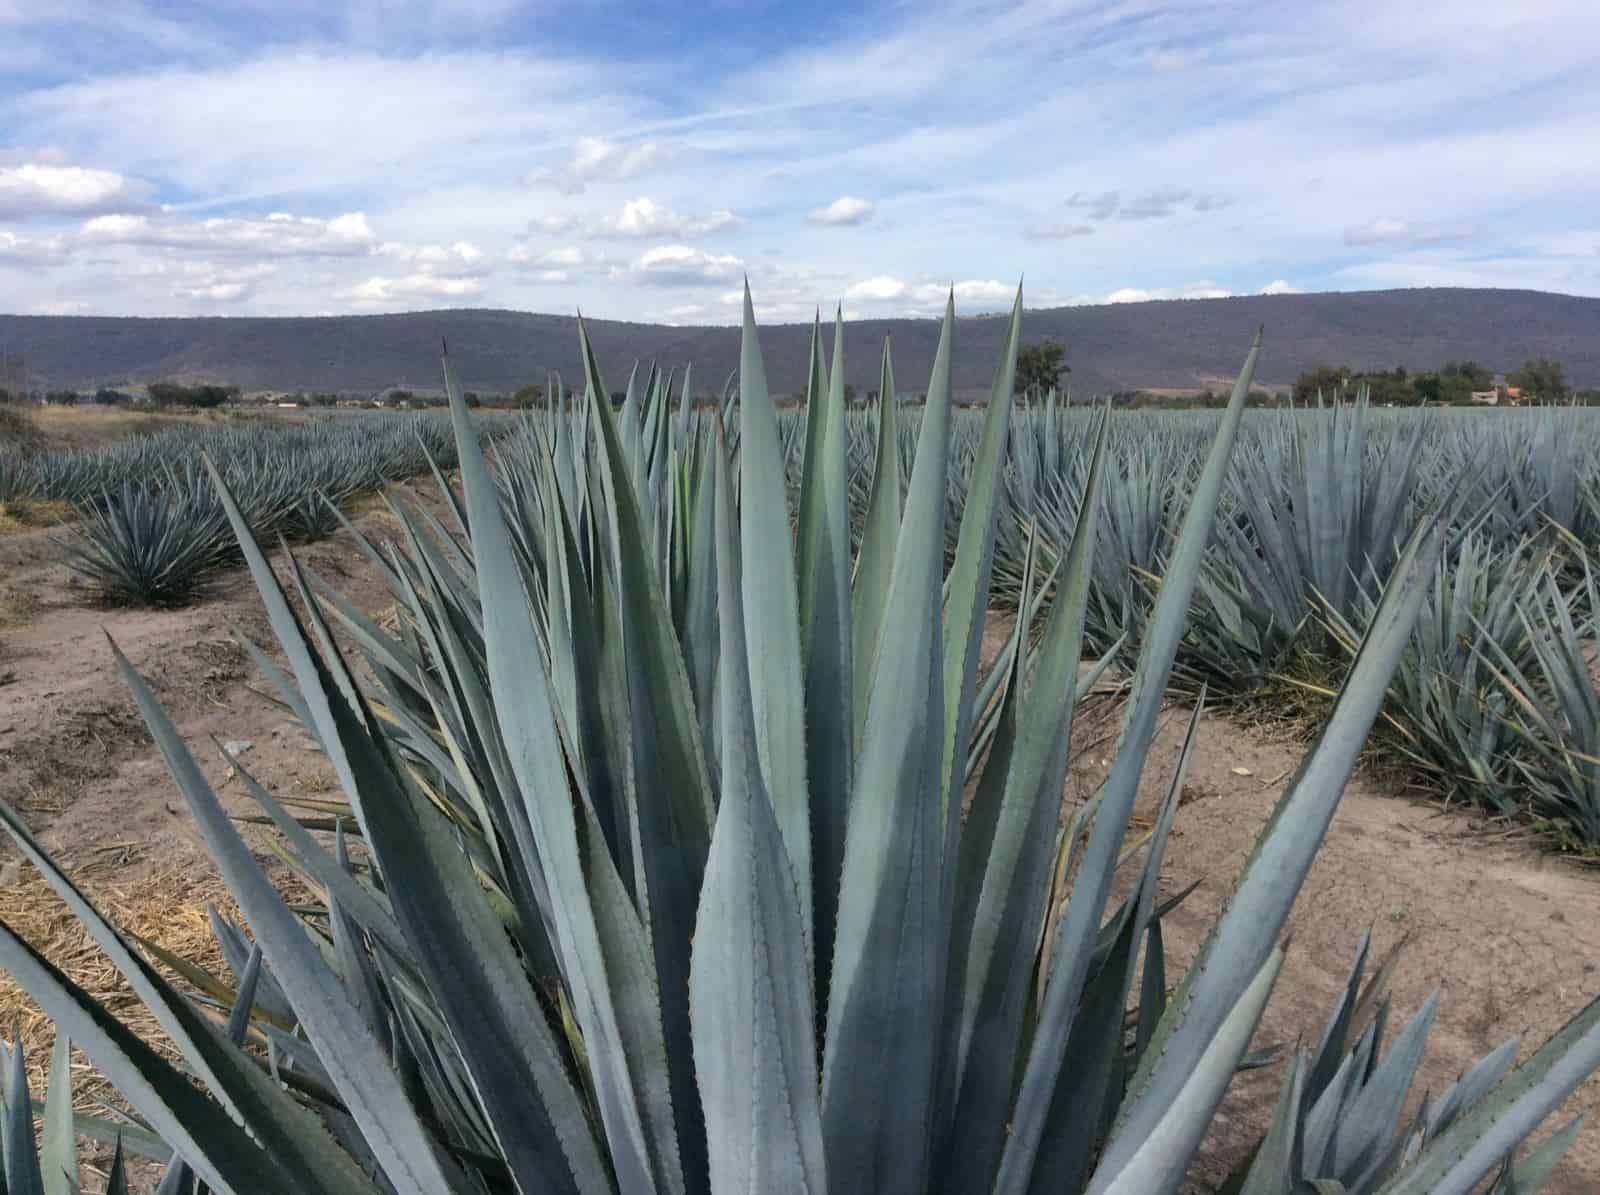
590,922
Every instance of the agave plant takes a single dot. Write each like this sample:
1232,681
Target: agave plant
1335,1125
696,855
150,544
1554,705
1448,715
1320,510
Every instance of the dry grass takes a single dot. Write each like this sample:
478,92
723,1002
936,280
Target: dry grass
18,606
79,427
30,514
167,907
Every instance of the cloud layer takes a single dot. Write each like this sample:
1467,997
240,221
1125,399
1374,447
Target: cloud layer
183,158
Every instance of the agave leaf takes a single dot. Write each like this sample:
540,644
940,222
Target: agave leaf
754,1037
875,561
1273,1168
58,1144
672,809
293,1137
1011,859
354,1060
1283,854
1157,1164
1081,1114
527,722
772,612
20,1158
968,585
964,1153
1480,1079
886,989
1459,1158
219,1150
1531,1173
1366,1128
357,901
1076,933
825,640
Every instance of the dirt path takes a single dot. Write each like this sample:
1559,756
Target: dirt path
1511,937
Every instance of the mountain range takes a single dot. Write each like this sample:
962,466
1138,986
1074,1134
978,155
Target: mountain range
1172,345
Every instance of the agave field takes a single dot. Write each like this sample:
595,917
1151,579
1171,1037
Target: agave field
151,528
1492,703
682,845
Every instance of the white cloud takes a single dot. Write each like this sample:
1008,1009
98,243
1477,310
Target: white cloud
1056,231
219,292
1378,231
460,260
847,209
211,283
22,250
880,288
39,189
644,217
1101,206
1279,287
382,289
525,257
976,291
685,313
553,223
278,234
1194,290
1158,203
1386,230
678,265
595,159
980,293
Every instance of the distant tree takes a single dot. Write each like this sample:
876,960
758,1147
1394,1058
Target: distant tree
1477,377
1040,366
401,396
1329,380
107,397
849,394
211,396
529,396
1543,380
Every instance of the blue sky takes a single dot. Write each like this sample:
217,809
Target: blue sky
291,157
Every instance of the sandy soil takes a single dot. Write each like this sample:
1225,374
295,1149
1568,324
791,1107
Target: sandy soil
1510,936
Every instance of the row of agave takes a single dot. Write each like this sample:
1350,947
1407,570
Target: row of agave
1490,703
151,527
683,848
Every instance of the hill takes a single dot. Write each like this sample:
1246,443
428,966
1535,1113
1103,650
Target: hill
1181,344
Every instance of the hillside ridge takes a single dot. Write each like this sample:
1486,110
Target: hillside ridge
1160,344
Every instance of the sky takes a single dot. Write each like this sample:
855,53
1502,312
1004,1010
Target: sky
638,160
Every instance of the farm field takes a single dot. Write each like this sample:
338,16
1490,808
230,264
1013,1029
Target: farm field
1491,896
1508,932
